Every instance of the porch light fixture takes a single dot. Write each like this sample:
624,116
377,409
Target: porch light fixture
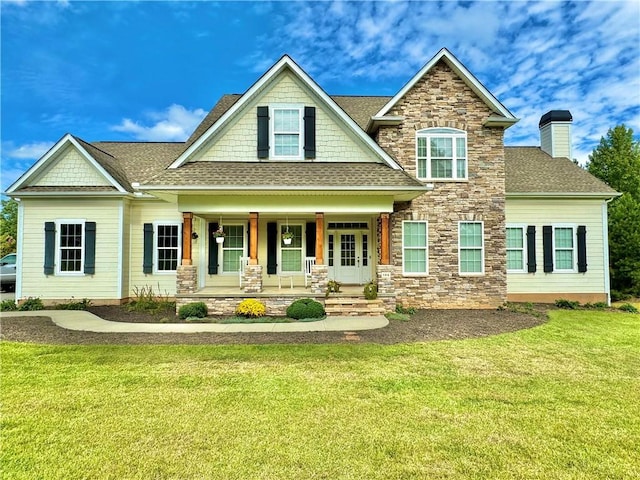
194,235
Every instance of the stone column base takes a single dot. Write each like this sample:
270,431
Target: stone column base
319,279
186,279
252,279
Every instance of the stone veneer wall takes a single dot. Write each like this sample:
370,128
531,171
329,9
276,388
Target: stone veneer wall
319,279
441,99
252,279
186,279
276,305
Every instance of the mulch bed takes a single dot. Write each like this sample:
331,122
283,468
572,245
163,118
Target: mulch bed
424,326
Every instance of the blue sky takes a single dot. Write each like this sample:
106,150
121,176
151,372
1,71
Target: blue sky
152,70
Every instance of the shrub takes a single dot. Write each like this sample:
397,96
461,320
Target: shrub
147,301
251,308
618,296
405,310
31,304
8,306
595,306
305,308
627,307
370,291
84,304
567,304
194,309
332,287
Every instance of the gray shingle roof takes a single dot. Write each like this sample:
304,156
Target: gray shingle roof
254,175
530,170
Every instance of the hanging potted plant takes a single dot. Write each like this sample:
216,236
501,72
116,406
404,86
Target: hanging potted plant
219,235
287,237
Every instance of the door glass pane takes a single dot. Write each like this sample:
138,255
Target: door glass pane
347,250
365,250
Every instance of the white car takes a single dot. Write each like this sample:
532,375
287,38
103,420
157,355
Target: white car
8,272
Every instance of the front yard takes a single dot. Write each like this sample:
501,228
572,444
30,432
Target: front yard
556,401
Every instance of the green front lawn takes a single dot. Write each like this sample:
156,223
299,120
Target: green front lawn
561,401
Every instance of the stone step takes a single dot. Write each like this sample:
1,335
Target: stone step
351,306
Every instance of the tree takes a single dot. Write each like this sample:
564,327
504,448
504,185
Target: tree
8,226
616,161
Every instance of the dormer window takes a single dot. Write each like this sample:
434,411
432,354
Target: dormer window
287,129
441,154
286,132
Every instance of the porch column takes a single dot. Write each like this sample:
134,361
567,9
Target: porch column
253,238
384,239
187,218
320,238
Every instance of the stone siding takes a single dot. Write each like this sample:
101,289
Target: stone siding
252,279
186,279
276,305
441,99
319,279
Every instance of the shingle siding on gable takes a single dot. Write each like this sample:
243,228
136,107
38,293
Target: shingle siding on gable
238,143
441,99
72,169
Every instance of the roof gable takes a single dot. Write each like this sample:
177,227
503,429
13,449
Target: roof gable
284,66
502,117
69,164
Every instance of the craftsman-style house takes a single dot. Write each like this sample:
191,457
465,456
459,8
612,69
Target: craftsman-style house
285,187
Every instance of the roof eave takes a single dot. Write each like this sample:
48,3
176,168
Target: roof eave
497,121
62,193
387,120
595,195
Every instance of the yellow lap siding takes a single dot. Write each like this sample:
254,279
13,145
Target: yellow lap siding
101,285
149,212
540,212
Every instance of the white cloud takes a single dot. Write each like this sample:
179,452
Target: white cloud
29,151
174,124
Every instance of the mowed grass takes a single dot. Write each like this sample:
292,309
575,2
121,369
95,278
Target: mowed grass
561,401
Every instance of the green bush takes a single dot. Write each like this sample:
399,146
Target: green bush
567,304
84,304
146,300
8,306
618,296
332,287
595,306
405,310
305,308
627,307
194,309
251,308
31,304
370,291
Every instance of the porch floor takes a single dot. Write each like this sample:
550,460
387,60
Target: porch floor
285,291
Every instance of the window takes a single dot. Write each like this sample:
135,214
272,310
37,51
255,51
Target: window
167,247
70,243
232,248
564,248
515,248
414,248
441,154
291,254
287,127
471,248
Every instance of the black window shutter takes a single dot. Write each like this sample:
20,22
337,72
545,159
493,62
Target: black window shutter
531,249
311,239
309,132
547,247
147,262
272,248
49,247
263,132
582,248
89,248
213,250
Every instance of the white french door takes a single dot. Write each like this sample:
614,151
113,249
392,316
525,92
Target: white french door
349,257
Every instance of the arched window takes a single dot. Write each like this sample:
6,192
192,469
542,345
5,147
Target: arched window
441,154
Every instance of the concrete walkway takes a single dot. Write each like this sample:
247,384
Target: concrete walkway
88,322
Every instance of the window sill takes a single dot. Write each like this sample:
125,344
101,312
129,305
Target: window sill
444,180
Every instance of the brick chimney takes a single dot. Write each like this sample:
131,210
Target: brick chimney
555,133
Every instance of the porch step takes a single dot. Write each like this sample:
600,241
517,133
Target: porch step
353,306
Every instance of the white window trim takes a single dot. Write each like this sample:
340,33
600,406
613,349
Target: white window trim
426,248
282,247
222,249
155,247
574,252
452,133
272,130
59,223
524,247
470,274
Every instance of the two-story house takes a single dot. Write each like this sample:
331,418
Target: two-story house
285,187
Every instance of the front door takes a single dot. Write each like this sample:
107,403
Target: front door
351,257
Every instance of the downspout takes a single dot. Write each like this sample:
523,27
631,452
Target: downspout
19,243
605,253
